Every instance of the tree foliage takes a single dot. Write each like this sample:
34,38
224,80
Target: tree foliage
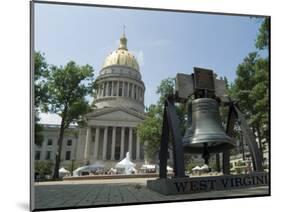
262,40
150,131
251,87
43,167
67,88
151,128
40,92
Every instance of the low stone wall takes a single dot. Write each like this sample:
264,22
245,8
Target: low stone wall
117,176
186,185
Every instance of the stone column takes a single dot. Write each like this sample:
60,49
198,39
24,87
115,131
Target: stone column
106,88
133,91
122,143
113,143
130,141
96,148
112,86
123,88
128,89
104,143
117,87
138,148
88,144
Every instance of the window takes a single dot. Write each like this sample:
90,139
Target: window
69,142
37,155
50,142
67,155
48,155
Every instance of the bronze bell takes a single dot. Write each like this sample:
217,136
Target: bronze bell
206,132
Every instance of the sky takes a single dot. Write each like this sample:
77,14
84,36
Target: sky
164,43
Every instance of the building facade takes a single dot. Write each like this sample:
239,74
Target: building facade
118,107
47,150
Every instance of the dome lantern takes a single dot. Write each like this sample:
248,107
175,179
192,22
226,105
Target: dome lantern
123,41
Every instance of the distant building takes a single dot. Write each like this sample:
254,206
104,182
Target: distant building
47,151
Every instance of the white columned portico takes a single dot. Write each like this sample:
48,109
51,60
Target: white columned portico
104,143
113,143
97,136
130,141
88,144
138,148
122,143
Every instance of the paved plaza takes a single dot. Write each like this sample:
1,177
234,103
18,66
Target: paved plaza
121,191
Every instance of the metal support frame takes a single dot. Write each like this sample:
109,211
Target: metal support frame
250,140
171,125
233,115
229,131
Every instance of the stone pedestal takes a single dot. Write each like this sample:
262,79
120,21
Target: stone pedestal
186,185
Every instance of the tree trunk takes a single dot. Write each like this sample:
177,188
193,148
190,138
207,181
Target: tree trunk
58,153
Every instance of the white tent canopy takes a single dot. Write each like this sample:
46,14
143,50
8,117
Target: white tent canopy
89,168
126,164
204,167
196,168
63,170
148,166
169,168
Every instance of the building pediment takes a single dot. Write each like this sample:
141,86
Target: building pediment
116,114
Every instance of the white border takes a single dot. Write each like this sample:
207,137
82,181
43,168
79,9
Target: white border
14,107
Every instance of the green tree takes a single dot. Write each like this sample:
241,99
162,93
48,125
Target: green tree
43,167
251,91
262,40
67,88
150,129
40,92
251,87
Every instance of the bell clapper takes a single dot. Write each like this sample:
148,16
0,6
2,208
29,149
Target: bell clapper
206,154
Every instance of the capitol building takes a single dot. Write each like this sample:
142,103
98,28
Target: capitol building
110,130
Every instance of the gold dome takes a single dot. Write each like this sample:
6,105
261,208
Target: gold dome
121,56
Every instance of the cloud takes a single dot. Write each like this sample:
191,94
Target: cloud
48,118
140,56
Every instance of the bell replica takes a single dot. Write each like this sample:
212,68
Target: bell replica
206,133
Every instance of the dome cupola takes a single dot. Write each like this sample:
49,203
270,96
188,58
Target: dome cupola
119,83
121,56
